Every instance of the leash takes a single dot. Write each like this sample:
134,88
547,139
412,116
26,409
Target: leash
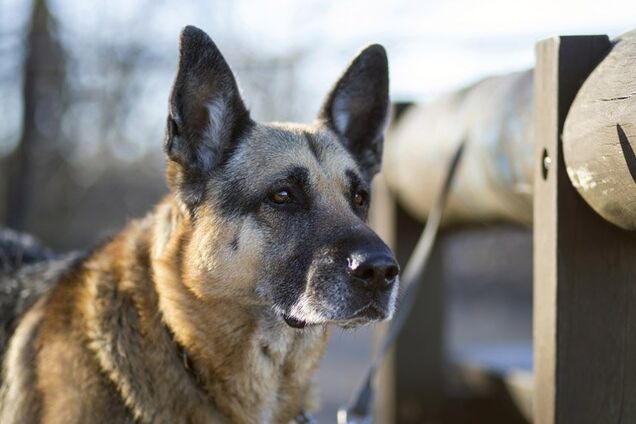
359,410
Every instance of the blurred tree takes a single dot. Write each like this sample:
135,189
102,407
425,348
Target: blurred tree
43,92
84,154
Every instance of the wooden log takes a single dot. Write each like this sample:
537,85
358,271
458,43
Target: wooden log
599,137
495,179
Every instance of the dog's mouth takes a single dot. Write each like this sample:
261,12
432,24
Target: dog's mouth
294,322
365,315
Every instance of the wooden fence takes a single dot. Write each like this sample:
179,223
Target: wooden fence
582,186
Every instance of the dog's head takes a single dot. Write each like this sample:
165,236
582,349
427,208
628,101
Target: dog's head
278,211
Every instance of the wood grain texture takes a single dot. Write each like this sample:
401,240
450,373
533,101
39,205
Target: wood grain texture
599,137
584,268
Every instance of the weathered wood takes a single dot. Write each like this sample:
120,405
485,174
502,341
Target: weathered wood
599,137
584,267
495,179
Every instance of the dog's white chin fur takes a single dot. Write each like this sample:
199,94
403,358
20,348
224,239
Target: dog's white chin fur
300,318
308,313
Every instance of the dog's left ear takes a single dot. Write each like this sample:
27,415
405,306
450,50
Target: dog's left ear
357,108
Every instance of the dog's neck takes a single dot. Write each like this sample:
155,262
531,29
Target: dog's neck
253,366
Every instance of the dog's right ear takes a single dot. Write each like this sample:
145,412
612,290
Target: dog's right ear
206,113
357,108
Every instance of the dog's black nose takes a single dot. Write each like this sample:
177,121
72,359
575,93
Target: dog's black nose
374,271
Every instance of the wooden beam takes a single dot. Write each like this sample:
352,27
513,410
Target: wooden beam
584,267
599,138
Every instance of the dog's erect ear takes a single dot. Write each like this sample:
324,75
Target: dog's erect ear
357,108
206,112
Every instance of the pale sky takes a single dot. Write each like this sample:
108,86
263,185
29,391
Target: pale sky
433,46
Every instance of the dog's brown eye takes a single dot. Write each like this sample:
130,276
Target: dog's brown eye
360,199
280,197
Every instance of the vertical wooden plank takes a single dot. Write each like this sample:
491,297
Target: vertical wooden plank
544,303
584,267
410,382
419,360
384,217
382,220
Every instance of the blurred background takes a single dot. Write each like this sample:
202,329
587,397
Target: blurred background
84,88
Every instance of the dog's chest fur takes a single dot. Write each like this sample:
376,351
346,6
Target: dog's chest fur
284,360
265,378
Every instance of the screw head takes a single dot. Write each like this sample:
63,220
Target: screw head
546,161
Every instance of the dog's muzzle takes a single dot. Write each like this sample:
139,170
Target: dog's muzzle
353,281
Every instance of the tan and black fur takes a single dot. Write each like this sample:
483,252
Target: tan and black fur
215,307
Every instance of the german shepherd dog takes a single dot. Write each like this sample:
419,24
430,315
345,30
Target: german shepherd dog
216,306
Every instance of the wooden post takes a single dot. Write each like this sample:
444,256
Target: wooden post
410,382
419,349
382,220
584,267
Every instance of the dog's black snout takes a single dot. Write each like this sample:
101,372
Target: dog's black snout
374,271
